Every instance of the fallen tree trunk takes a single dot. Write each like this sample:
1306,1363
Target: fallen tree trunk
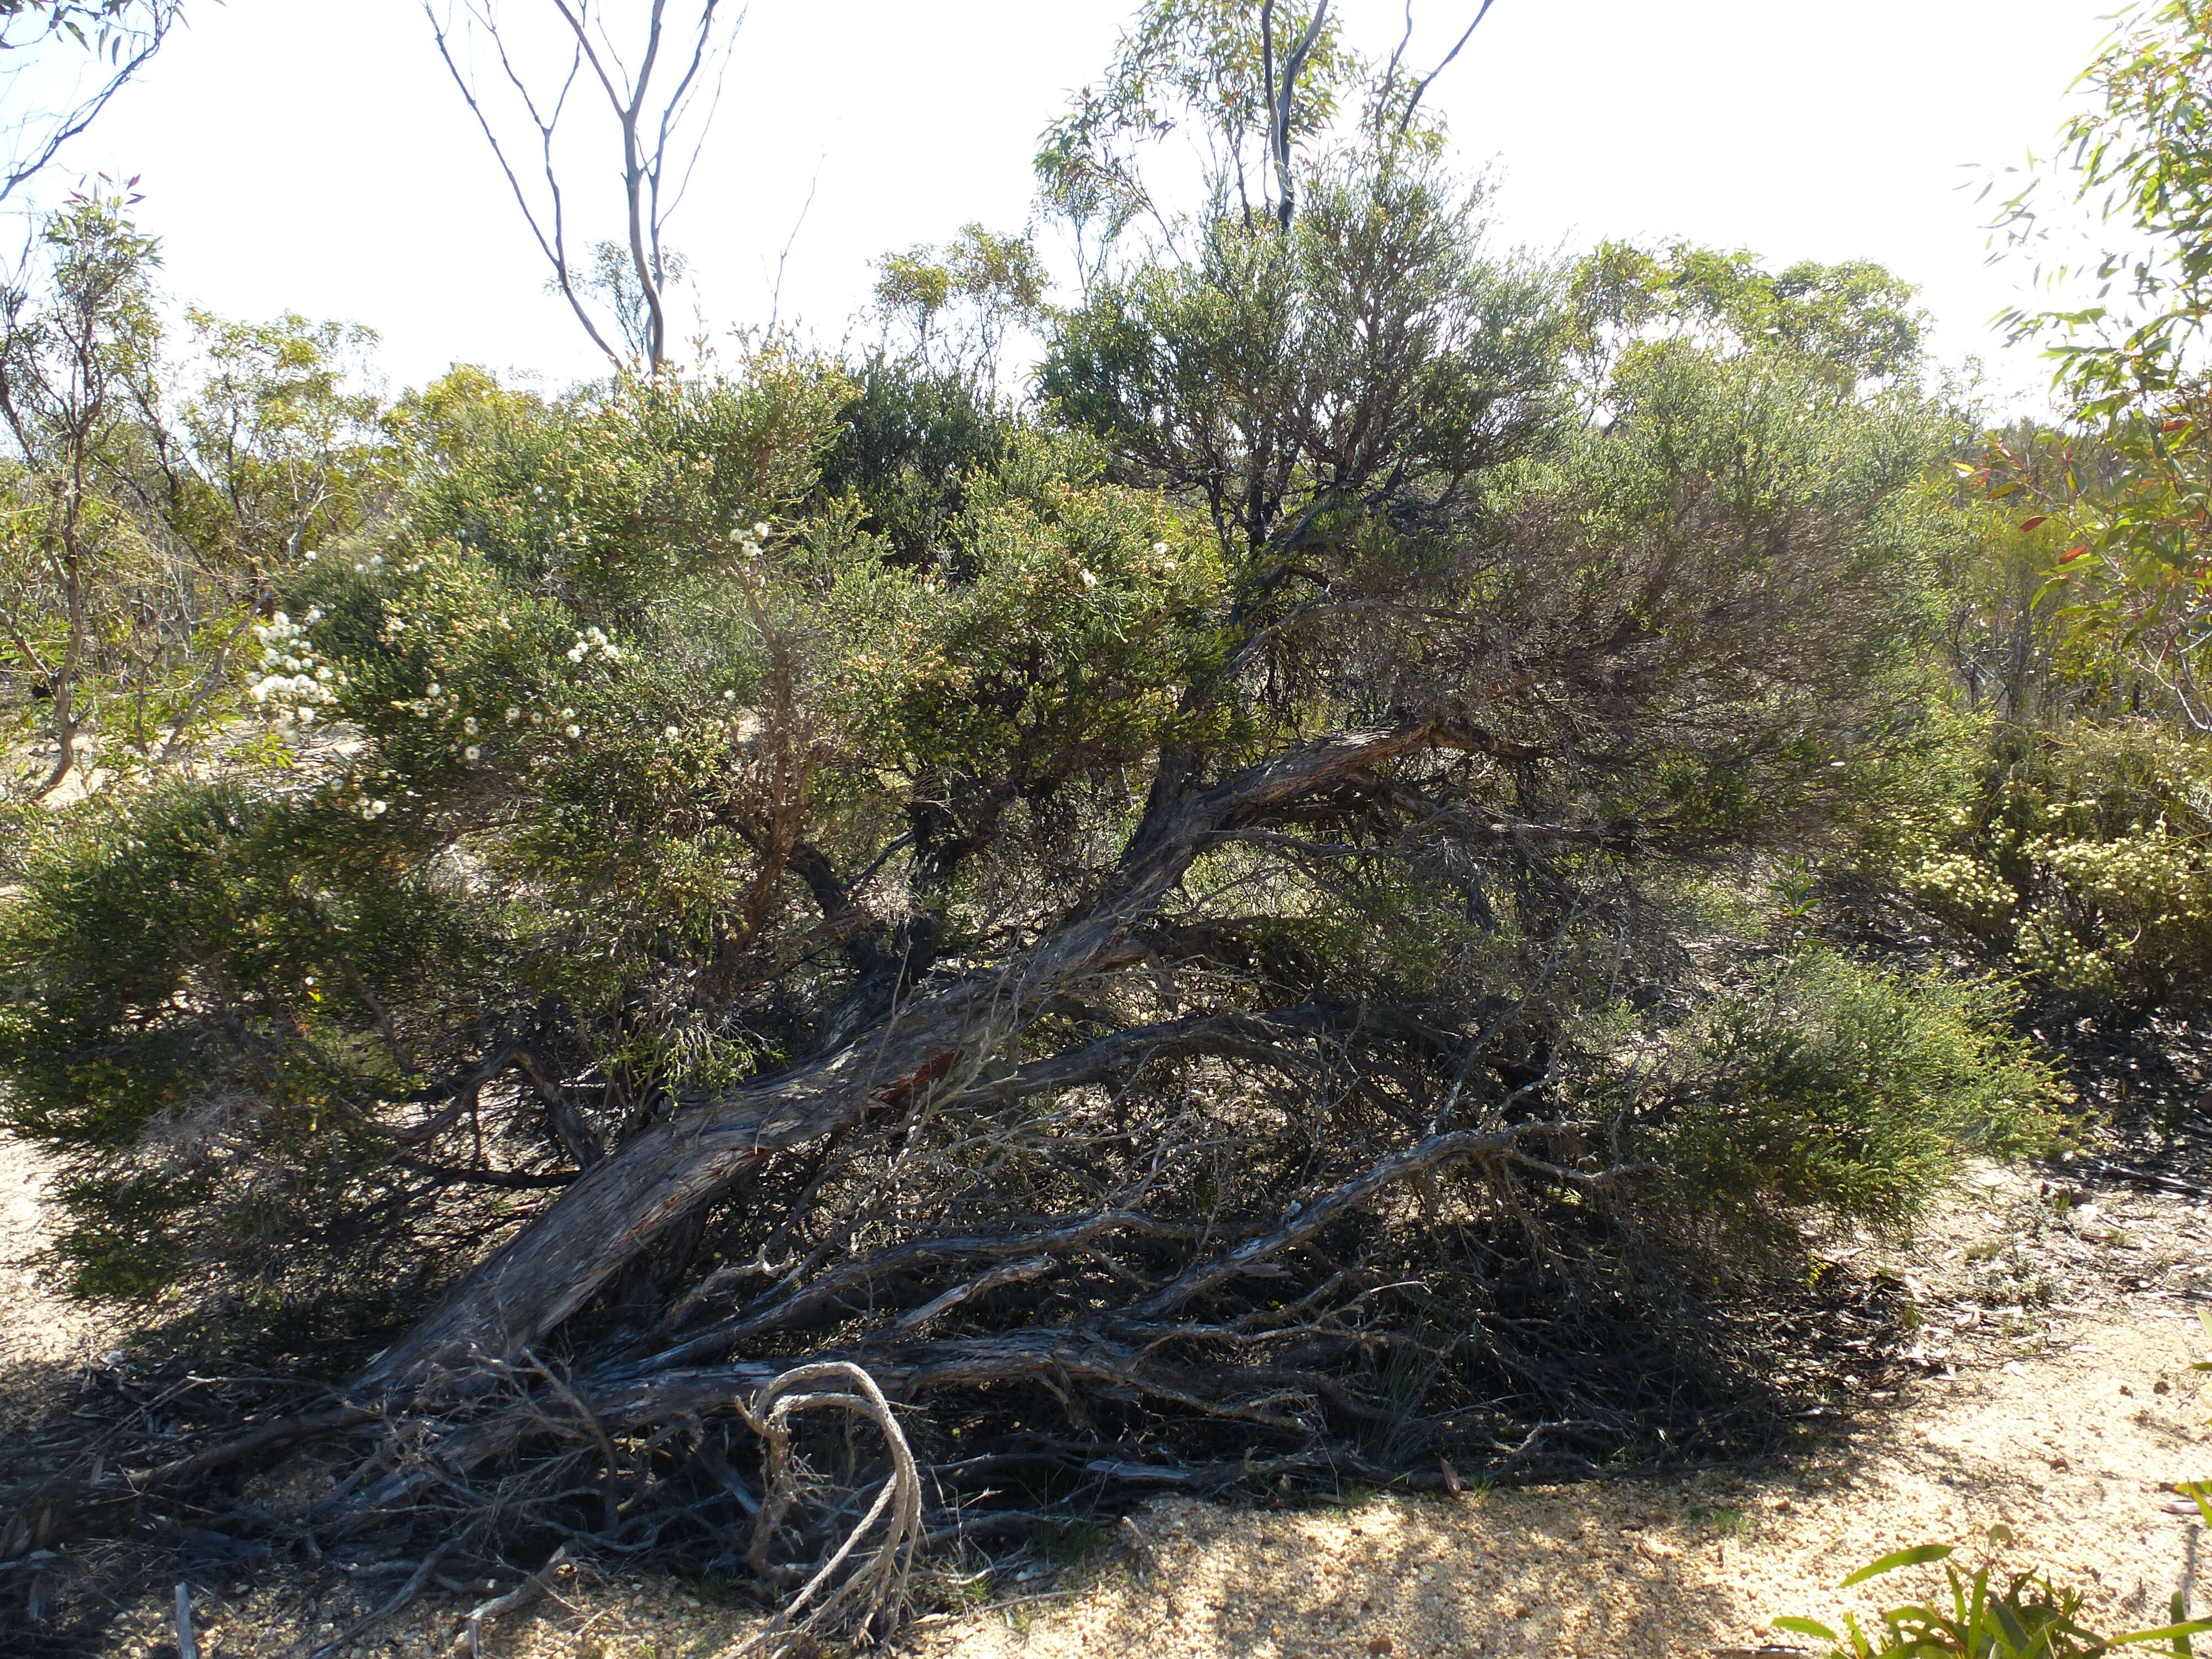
629,1199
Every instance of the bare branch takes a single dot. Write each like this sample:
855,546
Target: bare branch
647,136
1286,93
1406,120
553,245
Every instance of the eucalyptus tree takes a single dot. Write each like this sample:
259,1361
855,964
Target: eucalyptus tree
89,50
657,85
2124,490
1260,91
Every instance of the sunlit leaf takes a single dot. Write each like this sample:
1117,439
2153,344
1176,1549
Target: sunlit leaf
1918,1555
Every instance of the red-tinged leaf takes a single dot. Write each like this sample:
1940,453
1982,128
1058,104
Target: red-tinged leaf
2071,554
2035,523
2172,426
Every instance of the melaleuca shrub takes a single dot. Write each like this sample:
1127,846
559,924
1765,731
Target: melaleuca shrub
206,991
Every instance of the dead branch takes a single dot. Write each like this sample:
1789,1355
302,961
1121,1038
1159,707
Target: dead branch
872,1597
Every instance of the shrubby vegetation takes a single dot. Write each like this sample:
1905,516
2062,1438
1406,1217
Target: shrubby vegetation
1250,910
1990,1610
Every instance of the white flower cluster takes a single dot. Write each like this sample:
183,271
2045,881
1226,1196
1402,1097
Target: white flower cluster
294,682
362,803
749,541
593,643
436,703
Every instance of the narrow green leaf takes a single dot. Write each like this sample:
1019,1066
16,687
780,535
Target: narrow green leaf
1918,1555
1812,1628
2164,1632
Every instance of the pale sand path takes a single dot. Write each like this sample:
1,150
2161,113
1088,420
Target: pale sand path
2055,1449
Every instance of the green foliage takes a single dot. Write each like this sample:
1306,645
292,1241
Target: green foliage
1854,319
205,991
2081,857
1051,644
1196,65
1370,362
290,454
906,443
1824,1086
960,303
2130,365
616,493
147,507
2021,1615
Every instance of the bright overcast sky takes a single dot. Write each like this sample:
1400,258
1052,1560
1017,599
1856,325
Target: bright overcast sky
311,155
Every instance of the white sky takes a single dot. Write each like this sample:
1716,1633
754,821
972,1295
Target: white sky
311,155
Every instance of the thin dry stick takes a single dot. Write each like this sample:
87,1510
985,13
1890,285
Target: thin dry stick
873,1596
522,1595
407,1592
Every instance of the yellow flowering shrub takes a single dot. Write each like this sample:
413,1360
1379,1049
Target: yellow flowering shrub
2085,859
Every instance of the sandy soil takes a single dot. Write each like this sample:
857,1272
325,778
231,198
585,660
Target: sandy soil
42,1337
2069,1448
2053,1394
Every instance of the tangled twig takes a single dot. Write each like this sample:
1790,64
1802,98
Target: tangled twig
871,1599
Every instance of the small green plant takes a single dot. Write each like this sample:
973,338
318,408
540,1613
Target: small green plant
1724,1519
2023,1616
